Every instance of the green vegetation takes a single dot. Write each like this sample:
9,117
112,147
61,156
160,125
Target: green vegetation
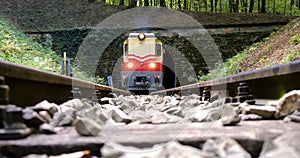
295,39
230,67
293,55
286,7
17,48
280,47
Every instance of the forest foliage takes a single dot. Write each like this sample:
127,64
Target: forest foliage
16,47
286,7
280,47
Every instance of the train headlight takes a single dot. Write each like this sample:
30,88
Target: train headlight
130,65
141,36
152,65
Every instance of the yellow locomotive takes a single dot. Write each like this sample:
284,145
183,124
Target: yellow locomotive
142,62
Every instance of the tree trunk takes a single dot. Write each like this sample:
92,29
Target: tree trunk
236,6
185,5
291,7
171,4
162,3
251,7
132,3
216,5
146,3
179,4
231,6
211,5
121,2
205,4
244,5
91,1
263,6
220,4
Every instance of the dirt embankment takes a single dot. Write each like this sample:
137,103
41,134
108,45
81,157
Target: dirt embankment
36,15
281,47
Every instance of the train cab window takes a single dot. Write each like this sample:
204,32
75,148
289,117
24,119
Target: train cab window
125,49
158,49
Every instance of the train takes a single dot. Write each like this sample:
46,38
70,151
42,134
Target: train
143,55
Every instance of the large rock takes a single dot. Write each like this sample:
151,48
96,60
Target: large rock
176,110
286,145
161,117
45,115
141,116
287,104
224,148
175,149
66,118
190,101
171,149
119,116
114,150
214,114
196,114
229,116
32,118
50,107
291,139
172,102
129,106
48,129
76,104
265,112
108,151
250,117
87,127
281,152
96,113
294,116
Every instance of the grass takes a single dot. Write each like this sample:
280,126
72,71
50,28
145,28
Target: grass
17,48
280,47
230,67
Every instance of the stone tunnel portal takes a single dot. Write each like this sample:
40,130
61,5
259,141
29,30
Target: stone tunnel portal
182,61
188,30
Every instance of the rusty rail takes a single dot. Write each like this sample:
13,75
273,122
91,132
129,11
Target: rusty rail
29,86
267,83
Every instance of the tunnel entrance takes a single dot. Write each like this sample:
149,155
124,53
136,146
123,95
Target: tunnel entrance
181,60
169,77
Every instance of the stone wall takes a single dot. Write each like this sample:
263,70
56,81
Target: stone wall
69,40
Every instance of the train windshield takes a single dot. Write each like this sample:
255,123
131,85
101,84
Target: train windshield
125,49
158,49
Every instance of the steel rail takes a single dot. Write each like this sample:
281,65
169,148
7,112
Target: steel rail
266,83
29,86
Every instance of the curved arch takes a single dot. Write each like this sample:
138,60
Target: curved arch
118,24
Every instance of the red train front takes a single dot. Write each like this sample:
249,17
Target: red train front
142,62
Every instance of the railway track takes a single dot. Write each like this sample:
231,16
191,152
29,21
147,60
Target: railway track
268,83
29,86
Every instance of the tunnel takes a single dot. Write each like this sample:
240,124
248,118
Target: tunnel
181,60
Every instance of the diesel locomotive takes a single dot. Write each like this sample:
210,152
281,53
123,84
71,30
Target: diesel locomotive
142,62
